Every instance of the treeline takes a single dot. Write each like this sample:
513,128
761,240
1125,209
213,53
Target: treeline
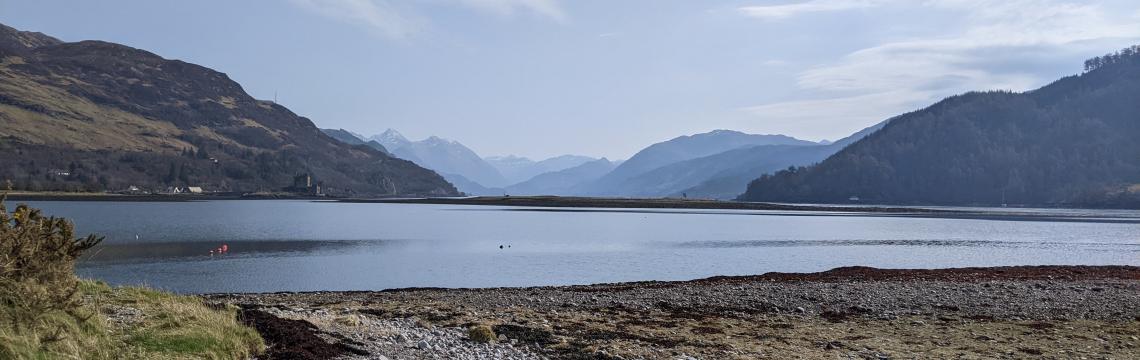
1128,54
1072,142
34,167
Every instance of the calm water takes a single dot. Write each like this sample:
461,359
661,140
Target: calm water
301,245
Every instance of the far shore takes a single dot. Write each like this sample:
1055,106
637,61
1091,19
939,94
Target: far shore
544,201
523,201
641,203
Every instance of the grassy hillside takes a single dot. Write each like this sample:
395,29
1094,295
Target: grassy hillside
93,115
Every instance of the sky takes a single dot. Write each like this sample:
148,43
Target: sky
541,78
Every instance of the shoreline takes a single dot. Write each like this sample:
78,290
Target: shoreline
856,312
521,201
640,203
540,202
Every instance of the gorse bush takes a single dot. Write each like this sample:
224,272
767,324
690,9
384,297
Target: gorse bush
37,279
46,312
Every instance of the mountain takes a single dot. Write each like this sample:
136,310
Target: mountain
676,150
352,138
444,156
726,175
93,115
472,188
563,181
391,139
675,179
1072,142
518,169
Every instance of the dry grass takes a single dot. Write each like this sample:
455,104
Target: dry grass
169,326
70,120
46,313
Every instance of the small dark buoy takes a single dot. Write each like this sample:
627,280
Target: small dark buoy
500,246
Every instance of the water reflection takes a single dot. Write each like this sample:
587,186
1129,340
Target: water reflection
897,242
302,245
204,250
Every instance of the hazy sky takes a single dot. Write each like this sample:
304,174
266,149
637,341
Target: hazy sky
605,77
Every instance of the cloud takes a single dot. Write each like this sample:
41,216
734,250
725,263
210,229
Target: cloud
548,8
379,16
775,12
848,113
995,47
398,20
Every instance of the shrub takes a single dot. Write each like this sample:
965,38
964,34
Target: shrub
481,333
48,313
37,280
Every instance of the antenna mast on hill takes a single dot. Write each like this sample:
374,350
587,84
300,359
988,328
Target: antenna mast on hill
275,96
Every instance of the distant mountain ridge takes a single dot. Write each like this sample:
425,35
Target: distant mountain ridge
443,156
518,169
93,115
1069,143
726,175
563,181
616,183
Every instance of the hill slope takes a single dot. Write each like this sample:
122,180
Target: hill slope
351,138
1070,142
93,115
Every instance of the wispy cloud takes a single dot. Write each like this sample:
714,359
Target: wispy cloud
378,16
548,8
992,50
400,19
772,12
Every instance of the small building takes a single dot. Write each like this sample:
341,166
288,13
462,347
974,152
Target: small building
303,181
304,184
193,190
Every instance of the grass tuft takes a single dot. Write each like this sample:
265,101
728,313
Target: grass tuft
481,333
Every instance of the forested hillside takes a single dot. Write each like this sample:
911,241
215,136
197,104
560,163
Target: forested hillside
94,116
1072,142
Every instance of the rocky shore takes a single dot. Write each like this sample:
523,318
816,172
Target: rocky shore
1090,312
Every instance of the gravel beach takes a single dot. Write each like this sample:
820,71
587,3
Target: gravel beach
1090,312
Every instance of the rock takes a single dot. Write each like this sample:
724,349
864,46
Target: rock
800,310
423,345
